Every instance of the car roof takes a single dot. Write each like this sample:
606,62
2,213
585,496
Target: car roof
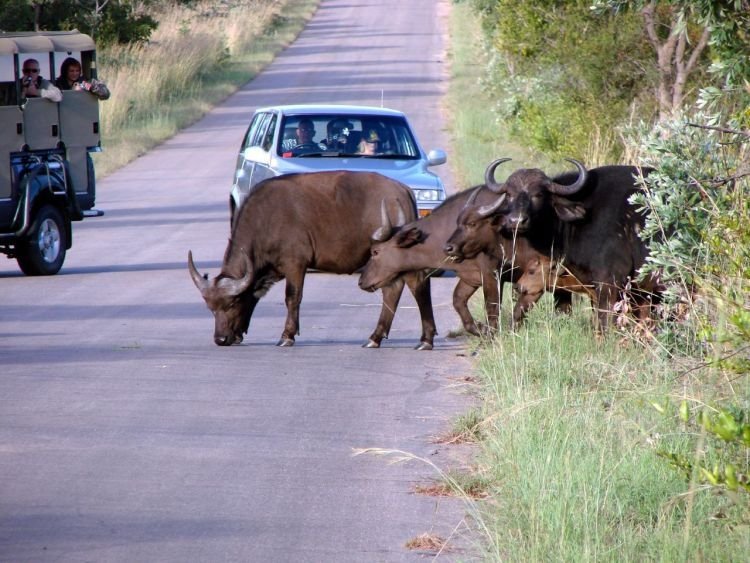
328,109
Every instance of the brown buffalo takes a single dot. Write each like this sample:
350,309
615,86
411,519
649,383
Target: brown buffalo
543,274
320,220
582,219
419,245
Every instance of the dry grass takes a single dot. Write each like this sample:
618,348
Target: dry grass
199,55
427,542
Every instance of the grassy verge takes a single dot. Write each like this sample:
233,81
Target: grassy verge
198,56
478,137
570,439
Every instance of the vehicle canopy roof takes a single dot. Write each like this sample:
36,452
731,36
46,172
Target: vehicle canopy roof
44,42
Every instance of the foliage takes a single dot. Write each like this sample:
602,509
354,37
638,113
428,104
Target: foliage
108,22
720,460
698,230
559,67
727,20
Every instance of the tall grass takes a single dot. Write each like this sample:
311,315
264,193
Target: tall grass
197,56
570,434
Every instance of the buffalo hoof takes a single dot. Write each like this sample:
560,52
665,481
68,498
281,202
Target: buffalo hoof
371,344
285,342
423,346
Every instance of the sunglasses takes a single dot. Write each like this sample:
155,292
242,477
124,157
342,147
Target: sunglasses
31,70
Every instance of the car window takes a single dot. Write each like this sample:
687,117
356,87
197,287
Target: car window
259,127
337,135
269,131
252,130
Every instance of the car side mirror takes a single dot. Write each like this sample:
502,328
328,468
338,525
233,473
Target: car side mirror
435,157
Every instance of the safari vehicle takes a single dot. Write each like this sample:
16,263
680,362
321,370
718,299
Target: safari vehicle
46,173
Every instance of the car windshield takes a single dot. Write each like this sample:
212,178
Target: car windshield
337,135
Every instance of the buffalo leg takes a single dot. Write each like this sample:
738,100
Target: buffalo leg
391,297
606,297
293,297
419,285
461,295
491,288
563,301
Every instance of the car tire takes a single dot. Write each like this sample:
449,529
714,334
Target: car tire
42,252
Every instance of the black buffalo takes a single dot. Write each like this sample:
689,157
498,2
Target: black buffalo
582,219
320,220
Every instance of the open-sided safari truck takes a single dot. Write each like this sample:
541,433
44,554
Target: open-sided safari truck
46,173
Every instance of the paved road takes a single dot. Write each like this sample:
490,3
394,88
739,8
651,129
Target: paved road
126,435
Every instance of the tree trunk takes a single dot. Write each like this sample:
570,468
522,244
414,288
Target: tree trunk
671,53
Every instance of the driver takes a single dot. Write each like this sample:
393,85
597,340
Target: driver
305,132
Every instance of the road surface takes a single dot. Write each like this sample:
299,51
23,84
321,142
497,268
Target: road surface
127,435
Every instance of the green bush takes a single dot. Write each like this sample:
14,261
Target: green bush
560,68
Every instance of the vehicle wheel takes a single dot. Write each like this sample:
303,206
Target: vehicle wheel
43,251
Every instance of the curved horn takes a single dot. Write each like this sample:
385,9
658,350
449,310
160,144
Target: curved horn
489,175
200,282
383,233
472,197
490,208
401,219
234,286
560,189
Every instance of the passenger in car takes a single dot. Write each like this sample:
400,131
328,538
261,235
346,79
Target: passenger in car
338,138
370,143
71,78
34,85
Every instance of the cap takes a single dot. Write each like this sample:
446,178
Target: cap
372,136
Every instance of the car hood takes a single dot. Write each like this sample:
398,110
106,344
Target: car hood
410,172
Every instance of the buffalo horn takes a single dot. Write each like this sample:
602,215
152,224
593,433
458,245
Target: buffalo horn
234,286
401,220
472,197
383,233
490,208
560,189
489,175
200,282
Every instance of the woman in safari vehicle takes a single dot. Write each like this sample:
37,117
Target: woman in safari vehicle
71,78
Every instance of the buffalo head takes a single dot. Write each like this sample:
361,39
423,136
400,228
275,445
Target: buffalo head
229,300
477,229
529,194
383,268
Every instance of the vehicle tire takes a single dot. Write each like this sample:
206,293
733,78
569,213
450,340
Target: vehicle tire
42,253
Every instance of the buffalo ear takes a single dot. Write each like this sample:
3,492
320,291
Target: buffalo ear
568,210
409,237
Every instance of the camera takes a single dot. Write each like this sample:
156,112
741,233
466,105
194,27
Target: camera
26,81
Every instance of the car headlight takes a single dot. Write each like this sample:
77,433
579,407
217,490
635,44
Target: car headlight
427,195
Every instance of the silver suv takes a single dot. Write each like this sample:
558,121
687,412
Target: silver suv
311,138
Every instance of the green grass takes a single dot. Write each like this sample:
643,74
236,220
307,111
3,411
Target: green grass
478,137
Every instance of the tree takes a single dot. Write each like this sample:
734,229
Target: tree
680,31
121,21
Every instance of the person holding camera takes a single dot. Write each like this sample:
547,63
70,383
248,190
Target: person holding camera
34,85
71,78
